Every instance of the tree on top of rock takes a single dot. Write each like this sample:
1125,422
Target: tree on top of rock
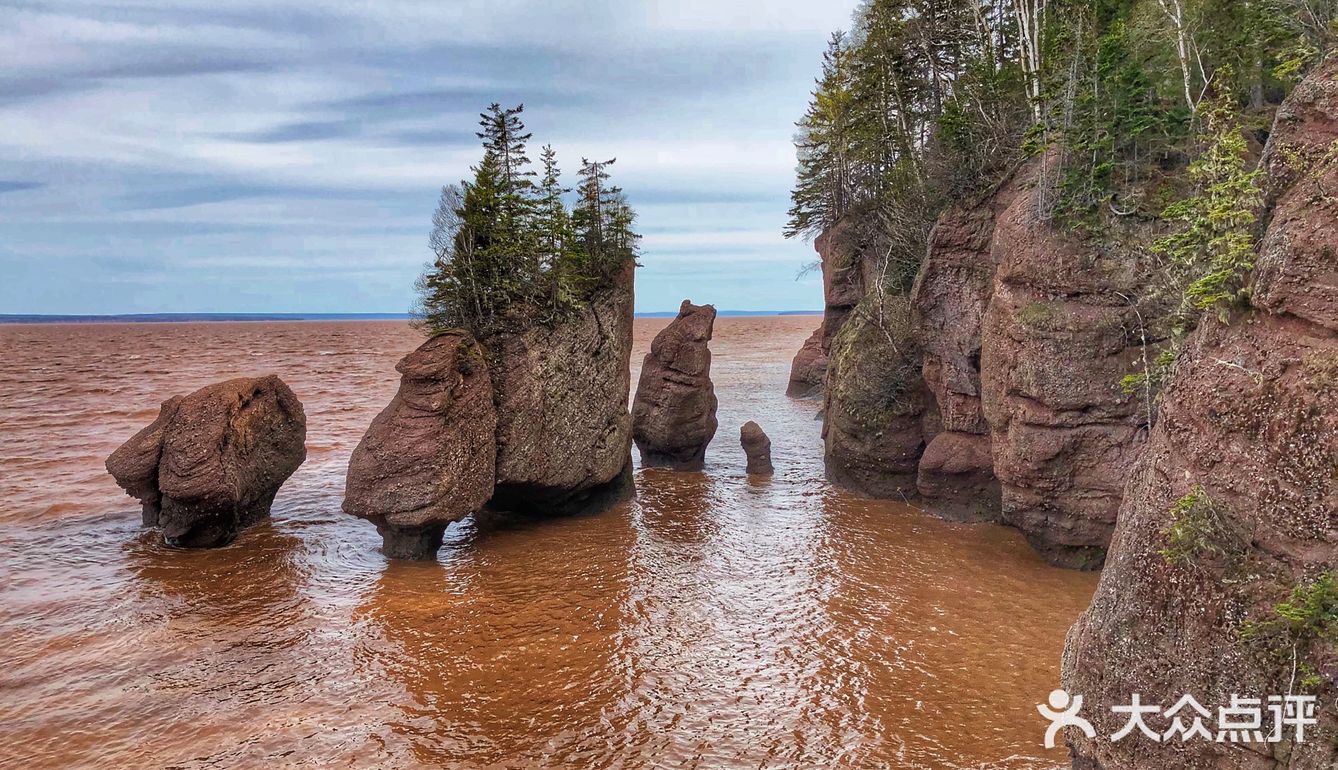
507,253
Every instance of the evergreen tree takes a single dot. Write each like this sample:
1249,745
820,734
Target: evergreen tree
552,222
506,251
824,186
1213,249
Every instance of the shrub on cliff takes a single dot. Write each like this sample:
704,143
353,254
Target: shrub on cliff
507,251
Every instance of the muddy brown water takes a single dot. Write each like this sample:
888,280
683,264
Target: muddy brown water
712,622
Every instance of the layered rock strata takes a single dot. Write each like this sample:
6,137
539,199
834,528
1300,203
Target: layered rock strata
212,462
429,458
1223,572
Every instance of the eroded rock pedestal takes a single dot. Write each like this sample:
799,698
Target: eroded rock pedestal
429,457
1233,507
212,462
673,416
757,446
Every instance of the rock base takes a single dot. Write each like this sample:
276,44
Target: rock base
414,543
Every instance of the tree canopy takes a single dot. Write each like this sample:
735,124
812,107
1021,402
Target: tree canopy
507,250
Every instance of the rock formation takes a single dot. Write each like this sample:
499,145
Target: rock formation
673,416
950,295
212,461
757,446
563,431
429,458
808,369
1233,508
875,400
1056,339
996,396
845,274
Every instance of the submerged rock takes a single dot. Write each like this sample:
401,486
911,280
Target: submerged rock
1233,508
757,446
429,457
673,416
808,369
212,462
564,437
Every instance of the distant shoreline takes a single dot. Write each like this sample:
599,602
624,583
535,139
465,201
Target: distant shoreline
35,318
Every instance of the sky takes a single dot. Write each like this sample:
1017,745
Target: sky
263,156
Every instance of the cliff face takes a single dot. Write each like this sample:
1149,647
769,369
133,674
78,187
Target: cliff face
1056,338
563,430
1233,507
875,400
844,280
950,295
1017,341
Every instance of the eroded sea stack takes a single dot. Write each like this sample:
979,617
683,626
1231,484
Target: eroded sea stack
757,446
429,458
1223,573
673,416
213,460
530,420
564,436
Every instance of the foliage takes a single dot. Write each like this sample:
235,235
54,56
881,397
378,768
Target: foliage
1213,246
507,251
1308,618
920,105
1198,531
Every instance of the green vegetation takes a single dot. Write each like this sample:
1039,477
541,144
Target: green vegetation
1307,620
508,252
1198,532
1212,250
929,102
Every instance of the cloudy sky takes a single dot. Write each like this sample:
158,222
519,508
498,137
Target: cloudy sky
254,155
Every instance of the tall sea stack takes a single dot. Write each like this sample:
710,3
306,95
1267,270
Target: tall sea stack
564,436
673,417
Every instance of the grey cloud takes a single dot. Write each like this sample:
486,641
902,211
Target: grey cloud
10,185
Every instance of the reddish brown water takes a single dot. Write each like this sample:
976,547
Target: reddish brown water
713,622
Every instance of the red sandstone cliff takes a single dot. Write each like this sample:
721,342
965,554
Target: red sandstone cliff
1001,390
1247,433
844,282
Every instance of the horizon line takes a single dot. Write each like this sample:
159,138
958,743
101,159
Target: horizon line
187,316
